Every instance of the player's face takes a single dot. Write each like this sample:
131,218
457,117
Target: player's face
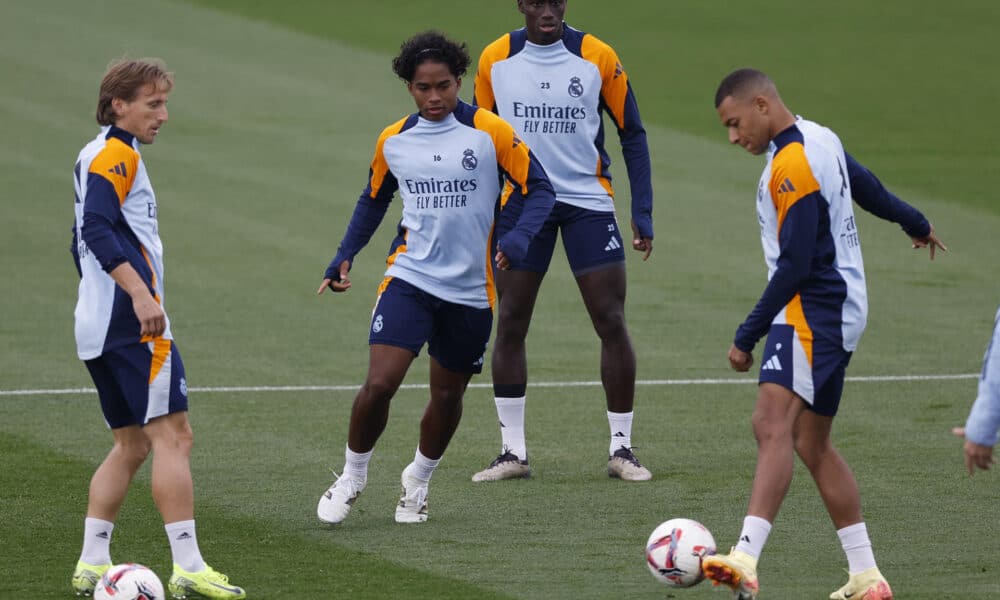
143,115
435,90
746,120
543,19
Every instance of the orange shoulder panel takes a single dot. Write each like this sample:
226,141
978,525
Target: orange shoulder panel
791,178
614,86
379,167
117,162
483,84
512,152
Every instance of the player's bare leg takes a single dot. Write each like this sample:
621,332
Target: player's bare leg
517,291
603,292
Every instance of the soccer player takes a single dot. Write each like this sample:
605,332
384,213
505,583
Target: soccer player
813,312
446,161
981,428
123,334
554,84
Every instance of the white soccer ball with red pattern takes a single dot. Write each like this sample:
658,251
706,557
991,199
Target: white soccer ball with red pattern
675,549
129,581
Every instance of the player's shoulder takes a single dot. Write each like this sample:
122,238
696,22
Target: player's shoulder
114,153
397,127
503,47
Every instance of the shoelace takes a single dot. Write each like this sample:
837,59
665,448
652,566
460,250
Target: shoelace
347,482
506,457
626,454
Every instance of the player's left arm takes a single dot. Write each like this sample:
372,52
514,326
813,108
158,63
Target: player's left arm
520,166
619,101
871,195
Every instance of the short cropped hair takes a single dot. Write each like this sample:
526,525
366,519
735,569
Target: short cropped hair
740,82
124,78
430,45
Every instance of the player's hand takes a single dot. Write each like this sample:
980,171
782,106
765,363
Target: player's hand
739,360
501,261
976,455
152,319
641,244
338,286
930,241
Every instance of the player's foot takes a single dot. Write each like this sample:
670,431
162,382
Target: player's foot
412,507
737,570
866,585
336,502
203,584
625,466
85,577
505,466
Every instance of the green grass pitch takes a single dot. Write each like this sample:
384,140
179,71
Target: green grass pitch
273,121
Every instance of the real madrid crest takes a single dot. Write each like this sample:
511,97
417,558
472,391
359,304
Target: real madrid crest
469,160
575,87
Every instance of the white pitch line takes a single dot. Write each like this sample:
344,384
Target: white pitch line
541,384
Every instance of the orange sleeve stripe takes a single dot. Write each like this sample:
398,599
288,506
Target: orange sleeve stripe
604,181
495,52
117,162
379,167
512,152
796,317
614,86
161,350
491,287
791,179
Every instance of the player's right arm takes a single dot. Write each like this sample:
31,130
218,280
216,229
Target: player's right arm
798,223
101,215
368,215
483,86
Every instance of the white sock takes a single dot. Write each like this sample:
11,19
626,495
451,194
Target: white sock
423,467
754,536
356,464
621,431
184,546
96,541
857,547
510,411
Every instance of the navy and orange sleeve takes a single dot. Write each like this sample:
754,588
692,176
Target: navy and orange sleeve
619,101
372,204
798,202
483,86
872,196
520,166
109,180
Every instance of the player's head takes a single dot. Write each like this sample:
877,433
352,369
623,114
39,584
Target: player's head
432,67
749,107
133,97
543,19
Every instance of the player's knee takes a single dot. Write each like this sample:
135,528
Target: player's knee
134,450
610,324
768,430
379,389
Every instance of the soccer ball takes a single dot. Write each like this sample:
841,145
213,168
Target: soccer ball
675,549
129,581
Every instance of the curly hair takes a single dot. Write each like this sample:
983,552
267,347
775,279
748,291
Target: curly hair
430,45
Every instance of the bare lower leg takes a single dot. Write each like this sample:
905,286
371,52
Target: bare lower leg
444,411
109,485
618,372
603,294
839,489
173,489
387,366
773,420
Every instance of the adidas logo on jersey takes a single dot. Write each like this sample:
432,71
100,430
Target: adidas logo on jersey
119,169
612,245
786,186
